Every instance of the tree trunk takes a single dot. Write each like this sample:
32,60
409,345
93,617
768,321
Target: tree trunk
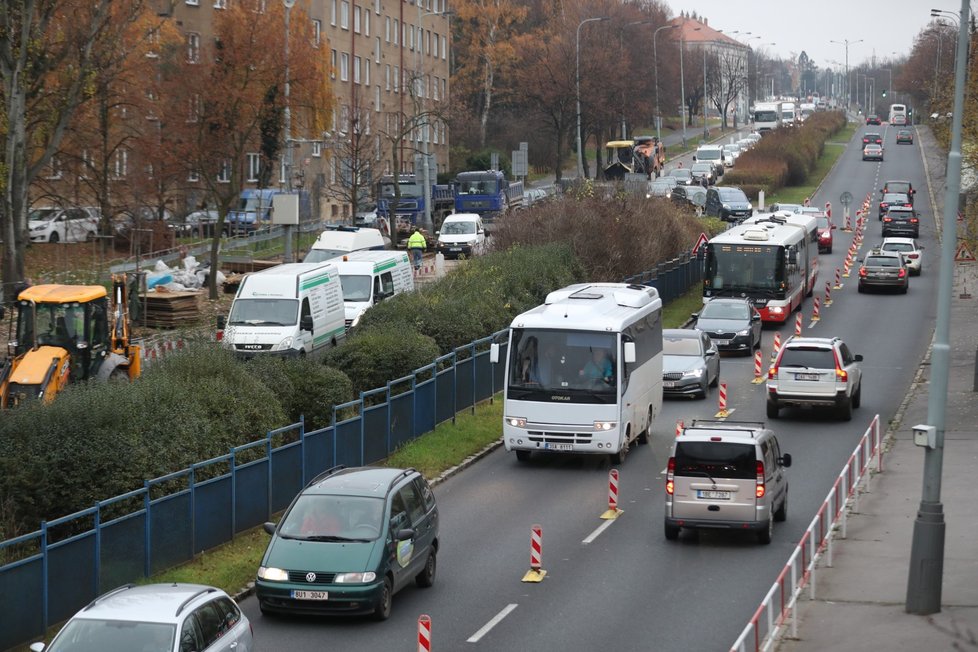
487,86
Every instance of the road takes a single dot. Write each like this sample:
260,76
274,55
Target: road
628,588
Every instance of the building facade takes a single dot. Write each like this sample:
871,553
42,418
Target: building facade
723,60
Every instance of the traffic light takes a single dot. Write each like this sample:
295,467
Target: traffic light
884,92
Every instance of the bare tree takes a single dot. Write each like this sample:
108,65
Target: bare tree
726,77
354,155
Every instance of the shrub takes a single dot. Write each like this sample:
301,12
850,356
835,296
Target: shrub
374,356
304,387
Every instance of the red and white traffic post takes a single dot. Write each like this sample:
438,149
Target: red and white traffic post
536,572
679,427
815,310
758,367
424,633
613,511
723,413
777,346
798,324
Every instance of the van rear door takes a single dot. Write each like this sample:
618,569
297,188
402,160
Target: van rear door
715,480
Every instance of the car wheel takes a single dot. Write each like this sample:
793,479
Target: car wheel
860,289
53,238
857,398
523,456
845,410
781,514
765,535
716,379
829,250
426,578
645,436
671,532
772,410
904,289
704,390
90,236
617,459
383,609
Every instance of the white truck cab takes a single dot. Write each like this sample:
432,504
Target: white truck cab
369,277
288,310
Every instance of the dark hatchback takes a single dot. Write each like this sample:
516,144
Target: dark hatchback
901,221
693,197
872,137
884,269
893,199
899,186
732,324
729,203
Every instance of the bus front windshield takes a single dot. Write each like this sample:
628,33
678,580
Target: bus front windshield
733,269
566,366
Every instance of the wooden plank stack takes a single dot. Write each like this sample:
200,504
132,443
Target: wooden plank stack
170,309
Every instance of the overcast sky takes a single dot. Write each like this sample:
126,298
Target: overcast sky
886,26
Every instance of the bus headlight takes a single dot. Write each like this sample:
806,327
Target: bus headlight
516,422
605,425
776,310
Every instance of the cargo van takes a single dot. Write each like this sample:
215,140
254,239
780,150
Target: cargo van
369,277
338,240
287,310
461,234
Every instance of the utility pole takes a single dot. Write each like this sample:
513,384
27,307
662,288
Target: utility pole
577,86
287,256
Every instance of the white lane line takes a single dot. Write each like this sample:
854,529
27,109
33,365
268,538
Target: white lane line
492,623
597,532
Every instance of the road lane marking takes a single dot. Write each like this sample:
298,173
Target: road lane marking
475,638
597,532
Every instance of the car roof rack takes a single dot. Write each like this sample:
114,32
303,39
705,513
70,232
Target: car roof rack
718,424
406,473
325,474
209,589
118,589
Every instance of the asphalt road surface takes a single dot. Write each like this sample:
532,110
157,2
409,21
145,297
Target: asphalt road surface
619,584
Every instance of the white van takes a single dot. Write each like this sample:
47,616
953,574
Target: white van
461,234
287,310
372,276
339,240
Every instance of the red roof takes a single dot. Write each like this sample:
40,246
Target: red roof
698,31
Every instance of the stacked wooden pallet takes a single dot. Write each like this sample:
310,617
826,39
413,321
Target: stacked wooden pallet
170,309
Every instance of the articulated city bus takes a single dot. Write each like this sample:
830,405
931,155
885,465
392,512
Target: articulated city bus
772,262
584,371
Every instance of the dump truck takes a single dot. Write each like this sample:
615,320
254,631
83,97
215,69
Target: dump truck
64,334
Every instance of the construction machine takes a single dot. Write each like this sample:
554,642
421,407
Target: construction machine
67,333
639,159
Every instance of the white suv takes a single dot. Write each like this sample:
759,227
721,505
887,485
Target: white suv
815,372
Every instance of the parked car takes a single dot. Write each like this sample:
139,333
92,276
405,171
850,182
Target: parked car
913,252
461,234
63,224
141,217
731,152
366,216
901,221
733,324
158,617
201,223
872,152
904,136
815,372
884,269
349,541
690,363
534,196
825,228
729,203
726,475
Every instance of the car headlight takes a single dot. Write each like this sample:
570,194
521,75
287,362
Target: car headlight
726,207
605,425
516,422
40,227
750,206
284,345
355,578
272,574
744,333
693,373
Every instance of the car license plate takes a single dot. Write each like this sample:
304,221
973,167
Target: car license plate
560,447
713,495
310,595
806,376
721,342
455,249
668,383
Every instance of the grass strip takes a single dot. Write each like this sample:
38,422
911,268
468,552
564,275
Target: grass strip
833,150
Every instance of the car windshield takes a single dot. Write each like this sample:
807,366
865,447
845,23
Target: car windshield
897,187
681,173
702,167
903,132
457,228
724,310
765,115
319,255
708,154
89,635
715,459
42,214
264,312
681,346
893,213
898,246
355,287
815,358
732,194
894,198
319,517
882,261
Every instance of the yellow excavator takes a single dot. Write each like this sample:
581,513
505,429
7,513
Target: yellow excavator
67,333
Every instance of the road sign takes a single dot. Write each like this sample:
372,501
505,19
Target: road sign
963,254
700,241
845,198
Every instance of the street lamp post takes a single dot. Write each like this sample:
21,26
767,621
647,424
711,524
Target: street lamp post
655,58
927,548
577,86
287,119
425,133
682,86
847,43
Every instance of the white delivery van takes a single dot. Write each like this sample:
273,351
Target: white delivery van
287,310
339,240
461,234
372,276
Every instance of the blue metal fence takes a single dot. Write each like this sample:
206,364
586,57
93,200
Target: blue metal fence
174,517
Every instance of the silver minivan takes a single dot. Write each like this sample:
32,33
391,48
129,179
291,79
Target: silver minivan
726,475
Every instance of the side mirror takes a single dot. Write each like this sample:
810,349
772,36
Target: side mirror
36,647
222,321
694,315
269,528
756,316
404,535
694,157
628,353
494,353
786,460
437,232
305,323
859,357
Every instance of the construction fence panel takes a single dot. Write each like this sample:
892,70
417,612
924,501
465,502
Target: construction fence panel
73,558
213,512
22,597
171,542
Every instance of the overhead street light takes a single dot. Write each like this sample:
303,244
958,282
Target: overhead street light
655,58
577,86
847,43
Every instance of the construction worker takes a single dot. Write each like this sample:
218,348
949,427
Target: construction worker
416,245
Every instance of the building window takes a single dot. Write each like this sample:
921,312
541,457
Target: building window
332,12
435,48
434,89
283,172
377,50
317,31
387,29
193,176
220,4
344,14
397,77
194,110
120,164
366,72
259,6
444,88
193,47
397,30
377,98
377,7
317,148
254,167
444,48
332,65
224,174
356,70
193,3
356,18
86,164
387,77
54,169
344,66
366,22
377,147
410,37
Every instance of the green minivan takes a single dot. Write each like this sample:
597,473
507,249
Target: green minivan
348,542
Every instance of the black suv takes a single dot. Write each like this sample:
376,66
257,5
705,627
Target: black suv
893,199
899,186
901,221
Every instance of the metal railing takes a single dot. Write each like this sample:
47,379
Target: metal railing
778,608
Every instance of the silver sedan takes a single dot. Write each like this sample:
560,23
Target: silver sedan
690,362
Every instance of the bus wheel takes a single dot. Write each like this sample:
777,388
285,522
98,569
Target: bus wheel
645,436
523,456
617,459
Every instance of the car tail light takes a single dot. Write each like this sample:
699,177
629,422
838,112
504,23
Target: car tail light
914,220
913,256
902,272
759,490
840,374
862,271
887,219
670,476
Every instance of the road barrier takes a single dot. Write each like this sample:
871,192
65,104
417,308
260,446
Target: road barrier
679,427
816,316
777,346
613,511
758,367
536,572
828,294
798,324
778,609
424,633
723,414
838,278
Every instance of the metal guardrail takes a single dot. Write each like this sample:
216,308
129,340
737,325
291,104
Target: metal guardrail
778,608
